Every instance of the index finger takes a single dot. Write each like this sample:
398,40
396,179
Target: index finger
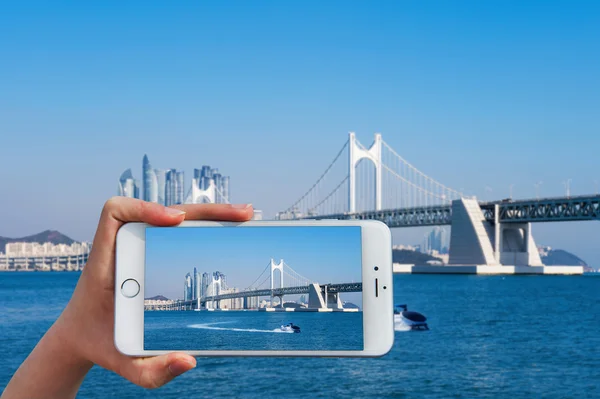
224,212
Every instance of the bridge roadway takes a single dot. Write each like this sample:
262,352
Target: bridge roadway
331,288
580,208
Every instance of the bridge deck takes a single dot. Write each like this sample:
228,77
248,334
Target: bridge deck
558,209
331,288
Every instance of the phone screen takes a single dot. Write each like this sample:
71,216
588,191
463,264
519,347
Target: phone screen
253,288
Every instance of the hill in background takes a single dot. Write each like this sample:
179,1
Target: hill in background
53,236
555,257
158,298
409,257
561,257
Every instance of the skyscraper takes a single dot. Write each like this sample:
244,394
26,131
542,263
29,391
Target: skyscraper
443,237
150,181
127,185
174,188
225,189
220,276
180,188
188,288
198,282
218,179
160,185
436,240
205,280
136,188
194,284
205,176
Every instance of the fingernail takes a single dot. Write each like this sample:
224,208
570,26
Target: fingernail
241,206
174,211
180,366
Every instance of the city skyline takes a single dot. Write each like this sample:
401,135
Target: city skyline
480,107
167,186
322,254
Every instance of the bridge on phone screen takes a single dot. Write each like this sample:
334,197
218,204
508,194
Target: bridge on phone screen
376,183
276,281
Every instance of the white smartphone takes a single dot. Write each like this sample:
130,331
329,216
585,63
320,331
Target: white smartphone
259,288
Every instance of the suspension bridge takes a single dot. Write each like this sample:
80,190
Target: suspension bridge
276,280
376,183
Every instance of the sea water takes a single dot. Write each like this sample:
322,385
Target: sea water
252,330
489,337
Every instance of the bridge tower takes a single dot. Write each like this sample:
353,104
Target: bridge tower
276,266
198,196
214,288
356,153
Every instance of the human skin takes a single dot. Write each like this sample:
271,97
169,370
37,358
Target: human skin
82,336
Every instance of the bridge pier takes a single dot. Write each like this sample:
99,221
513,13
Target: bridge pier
480,246
320,300
476,241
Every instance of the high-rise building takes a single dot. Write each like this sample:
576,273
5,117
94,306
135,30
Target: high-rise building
194,284
150,181
436,240
198,283
170,186
180,193
160,185
204,285
220,276
225,190
174,188
188,288
127,185
218,179
198,175
136,186
204,177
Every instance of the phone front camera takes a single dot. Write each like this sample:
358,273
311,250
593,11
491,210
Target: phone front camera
376,268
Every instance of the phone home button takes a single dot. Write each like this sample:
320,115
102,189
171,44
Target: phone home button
130,288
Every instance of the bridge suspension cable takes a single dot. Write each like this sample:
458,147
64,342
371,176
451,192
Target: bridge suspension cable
312,192
297,278
267,278
259,276
314,209
421,181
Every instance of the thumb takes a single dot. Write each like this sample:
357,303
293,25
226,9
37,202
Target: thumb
154,372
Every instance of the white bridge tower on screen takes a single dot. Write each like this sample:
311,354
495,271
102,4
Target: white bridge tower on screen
276,266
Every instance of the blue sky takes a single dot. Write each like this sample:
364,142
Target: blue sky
475,94
323,255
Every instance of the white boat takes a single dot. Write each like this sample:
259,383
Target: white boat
405,320
290,328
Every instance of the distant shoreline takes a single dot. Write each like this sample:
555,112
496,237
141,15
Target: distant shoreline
39,271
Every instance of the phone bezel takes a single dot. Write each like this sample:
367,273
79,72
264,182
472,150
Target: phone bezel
378,324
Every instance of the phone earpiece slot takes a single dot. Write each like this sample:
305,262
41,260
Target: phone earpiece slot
376,288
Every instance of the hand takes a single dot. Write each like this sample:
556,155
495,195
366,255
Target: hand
83,334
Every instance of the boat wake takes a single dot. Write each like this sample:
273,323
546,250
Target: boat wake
402,327
211,326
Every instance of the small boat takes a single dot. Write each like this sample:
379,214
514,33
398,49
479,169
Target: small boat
407,320
290,328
